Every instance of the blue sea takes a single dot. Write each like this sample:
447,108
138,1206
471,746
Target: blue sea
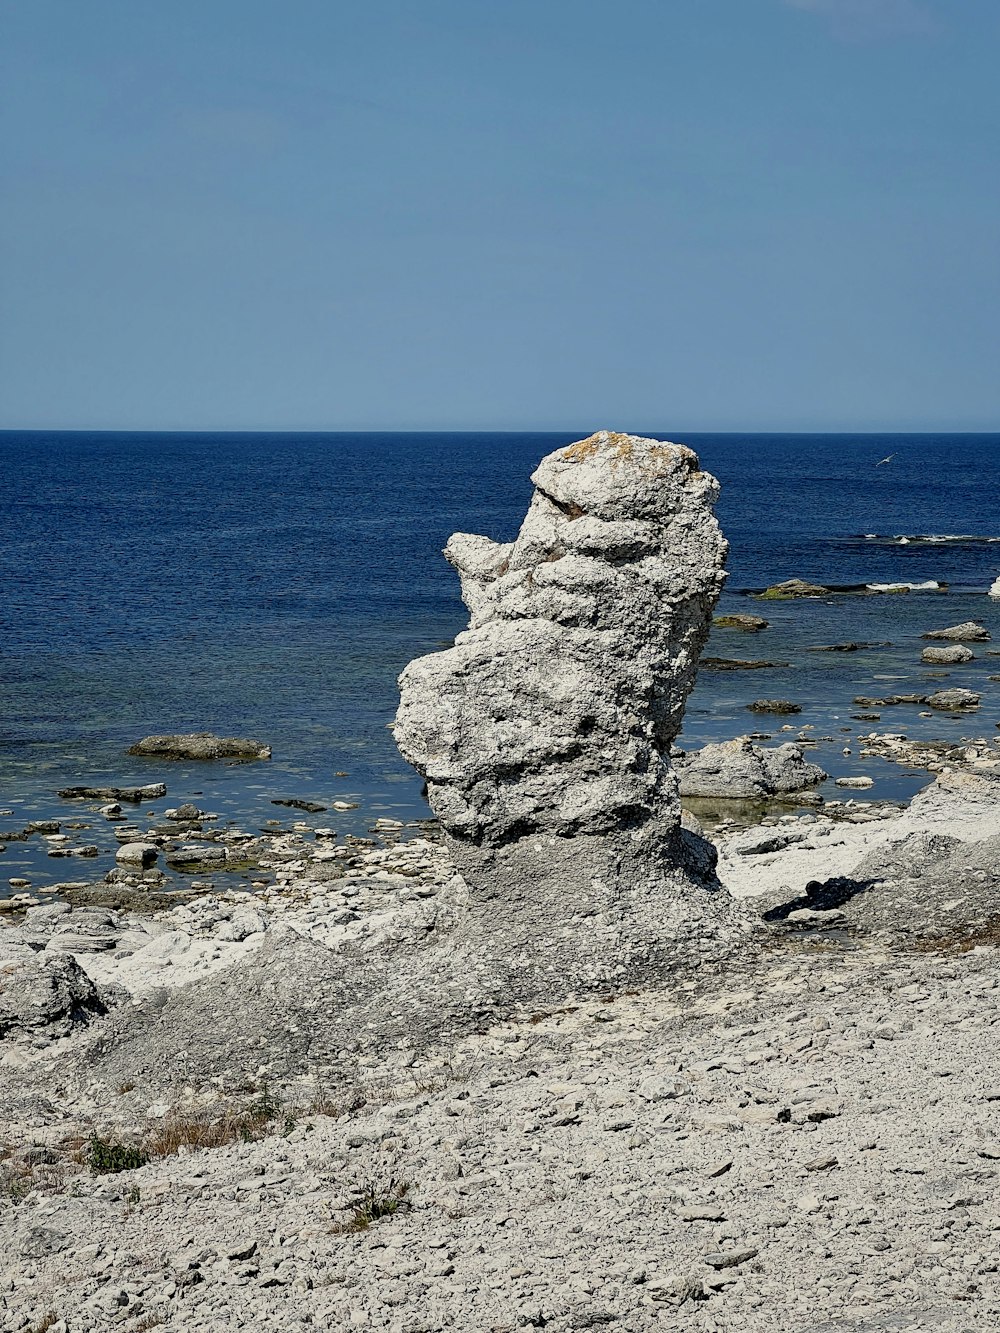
274,585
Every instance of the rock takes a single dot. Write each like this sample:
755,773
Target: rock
296,803
953,656
200,745
859,782
846,647
544,733
675,1289
738,769
151,792
970,630
184,813
242,924
751,624
737,664
890,700
774,706
195,855
994,589
141,854
949,700
729,1258
43,996
701,1212
792,588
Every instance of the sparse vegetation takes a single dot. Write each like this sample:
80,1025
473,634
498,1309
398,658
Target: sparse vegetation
379,1199
108,1156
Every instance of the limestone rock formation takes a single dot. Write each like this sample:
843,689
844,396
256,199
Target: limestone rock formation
740,770
544,732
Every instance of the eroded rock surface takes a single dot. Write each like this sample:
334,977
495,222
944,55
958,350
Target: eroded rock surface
543,732
42,997
201,745
740,770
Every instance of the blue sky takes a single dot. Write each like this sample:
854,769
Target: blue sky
448,214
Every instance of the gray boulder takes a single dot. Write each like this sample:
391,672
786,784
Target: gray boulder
43,996
141,854
740,770
969,630
950,700
953,656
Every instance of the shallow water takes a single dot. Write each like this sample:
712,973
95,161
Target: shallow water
274,586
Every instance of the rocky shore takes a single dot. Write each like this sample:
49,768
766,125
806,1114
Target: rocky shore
810,1139
565,1057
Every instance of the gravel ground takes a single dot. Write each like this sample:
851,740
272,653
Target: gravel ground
806,1141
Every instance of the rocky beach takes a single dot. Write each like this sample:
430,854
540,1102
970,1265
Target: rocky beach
633,1033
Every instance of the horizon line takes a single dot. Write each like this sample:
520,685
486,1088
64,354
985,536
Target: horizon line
474,430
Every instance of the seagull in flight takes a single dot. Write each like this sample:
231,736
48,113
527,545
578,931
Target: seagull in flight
882,461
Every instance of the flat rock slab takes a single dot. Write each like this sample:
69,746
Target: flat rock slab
152,791
200,745
738,664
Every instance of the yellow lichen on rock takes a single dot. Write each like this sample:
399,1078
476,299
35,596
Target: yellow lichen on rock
622,448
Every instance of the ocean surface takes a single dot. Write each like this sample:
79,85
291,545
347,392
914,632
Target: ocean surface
274,585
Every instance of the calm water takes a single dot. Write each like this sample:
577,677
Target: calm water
274,585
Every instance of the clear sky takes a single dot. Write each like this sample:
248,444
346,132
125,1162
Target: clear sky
506,214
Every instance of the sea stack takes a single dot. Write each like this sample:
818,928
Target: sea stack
544,732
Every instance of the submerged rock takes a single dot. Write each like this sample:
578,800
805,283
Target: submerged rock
890,700
781,706
543,732
737,664
738,769
792,588
750,624
846,647
200,745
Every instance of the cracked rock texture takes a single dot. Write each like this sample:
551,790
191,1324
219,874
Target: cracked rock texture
738,769
544,733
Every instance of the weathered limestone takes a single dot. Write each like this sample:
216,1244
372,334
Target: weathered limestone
740,770
200,745
970,630
956,655
42,997
543,732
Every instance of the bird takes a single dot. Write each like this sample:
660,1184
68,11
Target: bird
882,461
